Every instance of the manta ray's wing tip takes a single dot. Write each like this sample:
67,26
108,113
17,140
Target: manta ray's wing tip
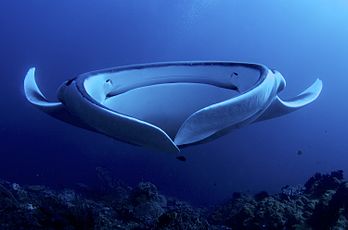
32,70
33,93
31,90
320,83
314,89
29,78
306,97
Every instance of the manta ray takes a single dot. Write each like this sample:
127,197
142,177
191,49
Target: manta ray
167,106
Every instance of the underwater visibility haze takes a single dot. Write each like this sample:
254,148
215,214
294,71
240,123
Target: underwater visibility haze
303,40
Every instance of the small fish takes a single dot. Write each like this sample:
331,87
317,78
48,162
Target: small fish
234,73
299,152
181,158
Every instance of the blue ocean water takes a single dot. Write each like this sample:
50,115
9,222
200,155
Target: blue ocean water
304,40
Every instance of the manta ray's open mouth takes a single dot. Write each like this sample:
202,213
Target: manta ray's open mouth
167,100
167,105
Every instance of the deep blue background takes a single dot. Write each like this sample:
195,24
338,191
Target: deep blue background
302,39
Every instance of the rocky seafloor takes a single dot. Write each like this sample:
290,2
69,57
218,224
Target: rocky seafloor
321,203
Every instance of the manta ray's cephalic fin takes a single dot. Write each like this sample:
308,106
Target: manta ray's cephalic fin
280,107
54,109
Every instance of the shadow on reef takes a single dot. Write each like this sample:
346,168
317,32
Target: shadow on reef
322,203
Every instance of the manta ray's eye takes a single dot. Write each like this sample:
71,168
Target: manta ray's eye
109,81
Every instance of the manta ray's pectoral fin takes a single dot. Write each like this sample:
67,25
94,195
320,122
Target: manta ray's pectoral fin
280,107
54,109
35,96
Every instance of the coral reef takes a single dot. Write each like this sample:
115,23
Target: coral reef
321,203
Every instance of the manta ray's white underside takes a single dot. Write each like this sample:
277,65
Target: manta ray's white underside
170,105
